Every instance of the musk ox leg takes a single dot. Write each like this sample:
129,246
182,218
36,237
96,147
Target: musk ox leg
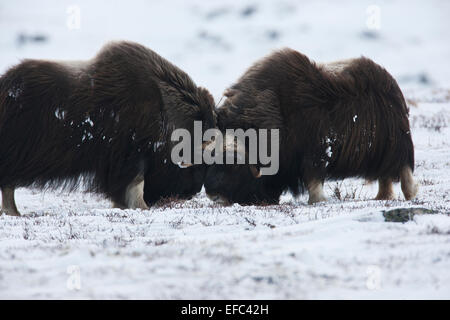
315,190
8,203
133,197
409,186
385,189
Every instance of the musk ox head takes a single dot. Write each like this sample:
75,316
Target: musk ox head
239,183
173,181
165,178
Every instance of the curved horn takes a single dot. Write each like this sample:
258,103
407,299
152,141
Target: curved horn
255,171
184,165
208,145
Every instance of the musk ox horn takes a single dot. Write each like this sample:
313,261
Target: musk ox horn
208,145
255,171
230,92
184,165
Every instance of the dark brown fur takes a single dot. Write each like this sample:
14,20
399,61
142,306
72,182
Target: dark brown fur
105,121
315,108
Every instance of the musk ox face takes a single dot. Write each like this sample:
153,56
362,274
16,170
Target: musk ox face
241,176
192,179
240,183
177,182
165,178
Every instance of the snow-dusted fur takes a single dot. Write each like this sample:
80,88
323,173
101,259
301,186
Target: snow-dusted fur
339,120
107,120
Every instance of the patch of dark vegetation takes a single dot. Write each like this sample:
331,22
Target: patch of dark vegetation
214,40
436,122
412,102
214,205
436,230
26,232
250,222
273,34
346,193
23,38
177,223
370,35
286,209
421,78
35,215
405,214
116,216
72,235
170,203
157,242
268,279
426,182
248,11
438,95
216,13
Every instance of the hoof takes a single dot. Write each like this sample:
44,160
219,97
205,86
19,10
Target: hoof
411,192
138,205
317,199
10,212
388,196
409,186
141,205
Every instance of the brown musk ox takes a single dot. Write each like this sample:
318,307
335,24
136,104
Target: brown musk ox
104,123
336,120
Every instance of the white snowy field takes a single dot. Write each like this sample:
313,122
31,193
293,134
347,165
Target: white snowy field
76,246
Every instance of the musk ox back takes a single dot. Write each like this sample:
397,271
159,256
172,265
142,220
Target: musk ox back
105,122
338,120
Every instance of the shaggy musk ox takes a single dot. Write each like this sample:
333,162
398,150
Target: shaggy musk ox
105,123
336,120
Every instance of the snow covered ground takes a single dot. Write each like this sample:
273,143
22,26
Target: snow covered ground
76,246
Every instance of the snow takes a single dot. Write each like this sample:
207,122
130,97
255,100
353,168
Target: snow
200,250
60,114
89,121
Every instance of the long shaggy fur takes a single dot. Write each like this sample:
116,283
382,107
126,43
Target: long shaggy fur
104,121
346,119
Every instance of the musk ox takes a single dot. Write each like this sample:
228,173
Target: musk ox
105,123
336,120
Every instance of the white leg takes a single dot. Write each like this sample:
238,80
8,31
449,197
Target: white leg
315,190
8,203
385,189
409,186
134,195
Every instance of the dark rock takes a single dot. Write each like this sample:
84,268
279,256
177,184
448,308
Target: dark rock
273,34
422,78
370,34
213,14
405,214
248,11
23,38
214,40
